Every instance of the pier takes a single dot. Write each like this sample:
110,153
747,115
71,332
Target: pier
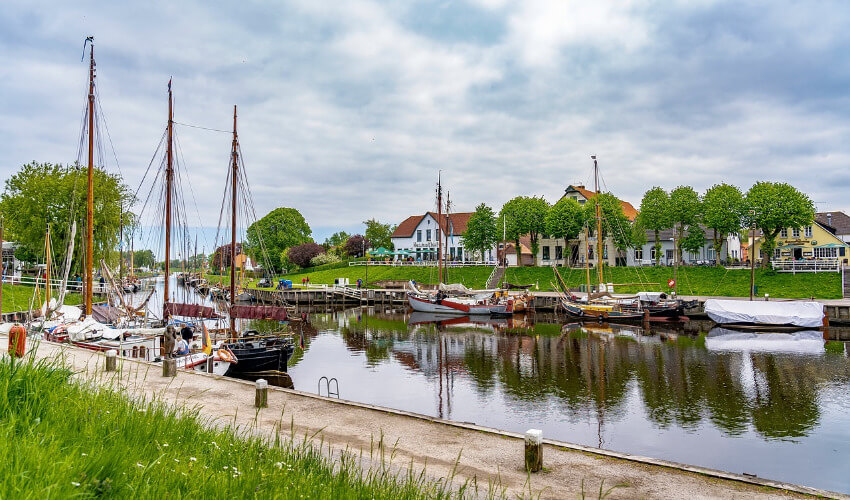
462,451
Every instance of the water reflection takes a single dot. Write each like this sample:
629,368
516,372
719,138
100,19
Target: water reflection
775,405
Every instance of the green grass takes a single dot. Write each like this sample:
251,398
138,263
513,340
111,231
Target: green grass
63,439
692,281
17,298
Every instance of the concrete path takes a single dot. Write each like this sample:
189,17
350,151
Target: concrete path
472,452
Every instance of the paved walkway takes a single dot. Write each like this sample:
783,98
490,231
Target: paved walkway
472,452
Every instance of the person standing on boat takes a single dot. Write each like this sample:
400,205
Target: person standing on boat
182,347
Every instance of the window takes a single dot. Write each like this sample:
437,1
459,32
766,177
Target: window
826,253
590,253
795,232
559,252
783,233
419,235
546,253
639,254
776,253
428,234
808,231
581,202
437,233
604,251
734,254
710,254
670,254
652,253
460,253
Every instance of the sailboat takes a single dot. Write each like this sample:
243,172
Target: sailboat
600,305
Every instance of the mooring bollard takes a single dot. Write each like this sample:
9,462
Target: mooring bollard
111,360
169,367
261,400
533,450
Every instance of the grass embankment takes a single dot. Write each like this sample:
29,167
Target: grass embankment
704,281
17,297
692,280
67,440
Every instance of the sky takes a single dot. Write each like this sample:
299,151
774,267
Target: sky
348,110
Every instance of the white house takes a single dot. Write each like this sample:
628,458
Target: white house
419,236
706,254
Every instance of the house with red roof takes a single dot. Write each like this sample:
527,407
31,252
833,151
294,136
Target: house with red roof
419,236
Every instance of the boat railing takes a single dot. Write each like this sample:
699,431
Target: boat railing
807,266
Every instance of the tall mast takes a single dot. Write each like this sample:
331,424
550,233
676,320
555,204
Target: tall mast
90,189
121,246
169,177
233,182
587,258
439,221
598,219
47,270
2,265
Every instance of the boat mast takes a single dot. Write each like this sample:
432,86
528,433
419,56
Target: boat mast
47,271
90,189
598,219
2,265
587,258
169,177
439,220
121,245
233,182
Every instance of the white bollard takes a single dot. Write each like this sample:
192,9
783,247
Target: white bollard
111,360
533,450
261,399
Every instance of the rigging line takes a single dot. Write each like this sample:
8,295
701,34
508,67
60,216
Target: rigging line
158,147
106,126
203,128
191,190
643,277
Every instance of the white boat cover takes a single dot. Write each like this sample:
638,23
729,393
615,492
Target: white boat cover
803,314
650,296
804,342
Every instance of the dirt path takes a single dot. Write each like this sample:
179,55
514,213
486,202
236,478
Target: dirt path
471,452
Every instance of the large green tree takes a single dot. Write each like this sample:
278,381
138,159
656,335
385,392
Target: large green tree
279,230
525,215
42,193
685,214
655,215
337,239
772,206
379,234
144,258
565,220
481,230
722,212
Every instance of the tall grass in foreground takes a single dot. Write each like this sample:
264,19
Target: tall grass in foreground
62,439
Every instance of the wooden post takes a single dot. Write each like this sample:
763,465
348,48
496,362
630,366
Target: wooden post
533,450
111,360
169,367
825,323
261,399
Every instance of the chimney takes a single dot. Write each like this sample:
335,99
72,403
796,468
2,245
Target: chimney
829,219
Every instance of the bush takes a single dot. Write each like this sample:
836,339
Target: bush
301,255
325,258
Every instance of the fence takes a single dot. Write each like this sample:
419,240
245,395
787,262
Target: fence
807,266
73,286
423,263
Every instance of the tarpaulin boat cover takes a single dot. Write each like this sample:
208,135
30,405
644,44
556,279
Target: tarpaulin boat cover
189,310
804,314
259,312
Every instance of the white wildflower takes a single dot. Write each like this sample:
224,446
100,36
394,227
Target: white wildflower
165,445
75,484
85,454
139,465
193,459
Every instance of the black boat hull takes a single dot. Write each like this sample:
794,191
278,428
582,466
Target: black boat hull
252,357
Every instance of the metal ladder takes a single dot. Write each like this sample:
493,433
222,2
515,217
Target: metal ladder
328,391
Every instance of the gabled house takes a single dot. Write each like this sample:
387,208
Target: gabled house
836,222
813,242
419,236
645,256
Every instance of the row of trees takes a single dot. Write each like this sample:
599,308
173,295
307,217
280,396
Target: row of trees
723,209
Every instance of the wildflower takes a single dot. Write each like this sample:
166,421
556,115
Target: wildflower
193,459
139,465
85,454
165,445
225,467
278,465
75,484
178,461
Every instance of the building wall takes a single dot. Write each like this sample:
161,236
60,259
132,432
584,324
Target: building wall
807,242
425,236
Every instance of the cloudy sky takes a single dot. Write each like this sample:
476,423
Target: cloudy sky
347,110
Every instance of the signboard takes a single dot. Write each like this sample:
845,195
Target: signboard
807,254
671,283
424,244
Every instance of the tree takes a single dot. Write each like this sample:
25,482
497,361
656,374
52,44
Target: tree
221,257
356,245
694,240
525,215
42,193
144,258
481,230
280,229
337,239
655,215
685,212
722,212
379,234
772,206
565,219
301,255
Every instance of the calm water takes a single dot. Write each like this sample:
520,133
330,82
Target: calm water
777,406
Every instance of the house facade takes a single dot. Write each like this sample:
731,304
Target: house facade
812,242
419,236
836,222
646,255
560,252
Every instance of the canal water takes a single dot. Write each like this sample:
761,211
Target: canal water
773,405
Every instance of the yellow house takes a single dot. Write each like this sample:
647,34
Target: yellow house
812,242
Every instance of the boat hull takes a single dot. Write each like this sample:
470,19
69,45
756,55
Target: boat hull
600,314
448,306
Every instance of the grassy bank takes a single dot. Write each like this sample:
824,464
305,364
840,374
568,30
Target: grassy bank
18,297
692,280
64,440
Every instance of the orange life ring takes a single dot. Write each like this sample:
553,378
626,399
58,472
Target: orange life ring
225,355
